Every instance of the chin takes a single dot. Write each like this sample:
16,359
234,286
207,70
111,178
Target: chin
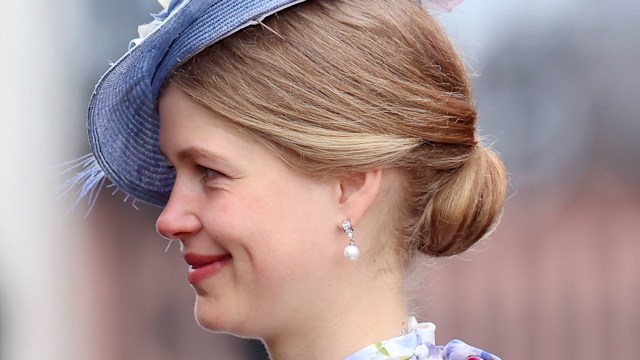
215,318
211,316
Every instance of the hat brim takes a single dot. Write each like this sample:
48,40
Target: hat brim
123,120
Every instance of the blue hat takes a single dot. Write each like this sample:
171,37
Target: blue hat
123,120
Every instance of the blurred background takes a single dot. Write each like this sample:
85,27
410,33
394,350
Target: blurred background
557,93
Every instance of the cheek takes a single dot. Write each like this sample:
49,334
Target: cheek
294,210
280,224
282,219
299,221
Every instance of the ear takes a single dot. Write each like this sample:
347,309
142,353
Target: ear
357,192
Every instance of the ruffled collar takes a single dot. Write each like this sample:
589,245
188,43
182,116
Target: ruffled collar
418,344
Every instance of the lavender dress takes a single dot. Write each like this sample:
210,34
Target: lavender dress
418,344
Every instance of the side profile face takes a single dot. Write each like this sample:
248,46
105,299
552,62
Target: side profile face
266,242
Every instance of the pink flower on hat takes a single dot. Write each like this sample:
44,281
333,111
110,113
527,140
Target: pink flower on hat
441,5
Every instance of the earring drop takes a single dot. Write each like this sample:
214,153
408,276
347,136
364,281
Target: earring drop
351,252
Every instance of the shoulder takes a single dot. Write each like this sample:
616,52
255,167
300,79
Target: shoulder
458,350
418,344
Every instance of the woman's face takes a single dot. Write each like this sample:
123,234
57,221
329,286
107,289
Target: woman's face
264,244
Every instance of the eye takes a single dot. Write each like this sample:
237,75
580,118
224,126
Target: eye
208,173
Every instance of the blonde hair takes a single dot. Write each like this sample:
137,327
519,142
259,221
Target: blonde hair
344,86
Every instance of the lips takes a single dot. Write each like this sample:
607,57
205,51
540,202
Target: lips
204,266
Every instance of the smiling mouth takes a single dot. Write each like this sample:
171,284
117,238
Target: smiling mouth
197,261
203,267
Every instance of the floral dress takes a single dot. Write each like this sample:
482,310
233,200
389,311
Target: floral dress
418,344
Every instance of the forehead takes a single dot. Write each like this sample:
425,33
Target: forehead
190,128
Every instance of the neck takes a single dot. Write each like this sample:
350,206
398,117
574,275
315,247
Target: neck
356,317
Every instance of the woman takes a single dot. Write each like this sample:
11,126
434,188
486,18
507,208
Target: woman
303,164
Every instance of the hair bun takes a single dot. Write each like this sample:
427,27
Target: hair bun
465,205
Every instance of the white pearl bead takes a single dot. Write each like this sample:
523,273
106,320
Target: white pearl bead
351,252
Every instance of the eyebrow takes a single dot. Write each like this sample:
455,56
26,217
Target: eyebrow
194,152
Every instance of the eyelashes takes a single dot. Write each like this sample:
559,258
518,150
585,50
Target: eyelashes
204,173
208,173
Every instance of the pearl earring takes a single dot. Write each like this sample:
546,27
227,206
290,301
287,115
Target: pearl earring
351,252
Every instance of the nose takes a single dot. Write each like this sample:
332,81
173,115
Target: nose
179,218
